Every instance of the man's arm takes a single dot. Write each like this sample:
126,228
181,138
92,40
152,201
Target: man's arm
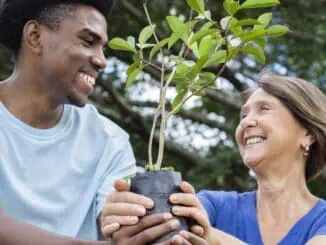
16,233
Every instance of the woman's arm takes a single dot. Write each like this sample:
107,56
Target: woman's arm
16,233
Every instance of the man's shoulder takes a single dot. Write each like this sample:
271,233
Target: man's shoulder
91,120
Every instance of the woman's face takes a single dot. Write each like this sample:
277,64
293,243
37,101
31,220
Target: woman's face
268,133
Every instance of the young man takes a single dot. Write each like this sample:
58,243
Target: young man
58,156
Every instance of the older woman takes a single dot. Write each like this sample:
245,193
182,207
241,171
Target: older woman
282,139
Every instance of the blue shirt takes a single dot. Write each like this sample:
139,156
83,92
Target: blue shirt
59,178
235,214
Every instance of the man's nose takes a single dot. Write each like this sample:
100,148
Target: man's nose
99,61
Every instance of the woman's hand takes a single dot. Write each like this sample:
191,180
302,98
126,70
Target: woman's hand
187,204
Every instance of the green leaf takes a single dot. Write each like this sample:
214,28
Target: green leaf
265,19
173,39
206,78
227,22
256,51
202,33
277,30
260,41
132,41
197,5
231,6
251,35
233,51
120,44
200,64
195,50
207,46
246,22
176,25
158,46
259,4
132,76
218,58
132,67
178,99
146,45
146,34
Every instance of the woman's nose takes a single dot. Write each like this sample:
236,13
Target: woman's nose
248,122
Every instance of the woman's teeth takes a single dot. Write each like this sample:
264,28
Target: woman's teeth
254,140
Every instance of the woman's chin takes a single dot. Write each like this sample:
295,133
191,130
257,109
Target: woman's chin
252,161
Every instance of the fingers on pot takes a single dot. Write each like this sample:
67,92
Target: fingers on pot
192,212
187,188
185,199
122,220
121,185
108,230
150,227
131,198
192,238
123,209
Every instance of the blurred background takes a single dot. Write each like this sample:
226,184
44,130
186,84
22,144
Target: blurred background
200,140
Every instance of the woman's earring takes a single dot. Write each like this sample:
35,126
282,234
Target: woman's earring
306,150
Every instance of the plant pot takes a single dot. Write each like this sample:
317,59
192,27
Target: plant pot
159,185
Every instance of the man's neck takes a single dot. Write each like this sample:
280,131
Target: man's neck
29,103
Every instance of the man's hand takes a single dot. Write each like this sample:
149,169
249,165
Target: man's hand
148,229
122,208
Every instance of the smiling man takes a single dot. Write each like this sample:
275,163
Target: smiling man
58,156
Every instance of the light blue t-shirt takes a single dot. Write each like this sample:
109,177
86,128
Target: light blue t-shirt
59,178
235,214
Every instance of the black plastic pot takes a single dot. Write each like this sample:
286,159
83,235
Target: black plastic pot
159,185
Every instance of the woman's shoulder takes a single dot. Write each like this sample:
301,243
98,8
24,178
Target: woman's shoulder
229,196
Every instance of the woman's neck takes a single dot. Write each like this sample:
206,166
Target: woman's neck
282,199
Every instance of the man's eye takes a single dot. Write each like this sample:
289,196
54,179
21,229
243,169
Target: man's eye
89,42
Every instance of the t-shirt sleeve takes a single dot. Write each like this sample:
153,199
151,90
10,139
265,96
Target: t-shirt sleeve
211,200
121,164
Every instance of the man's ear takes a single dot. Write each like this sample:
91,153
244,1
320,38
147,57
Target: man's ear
32,36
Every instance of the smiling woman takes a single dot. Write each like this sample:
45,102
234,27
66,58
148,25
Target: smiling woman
281,137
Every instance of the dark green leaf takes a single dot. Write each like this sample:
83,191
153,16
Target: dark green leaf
246,22
178,99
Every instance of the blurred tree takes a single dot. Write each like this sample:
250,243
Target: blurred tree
200,139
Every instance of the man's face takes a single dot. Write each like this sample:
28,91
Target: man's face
73,56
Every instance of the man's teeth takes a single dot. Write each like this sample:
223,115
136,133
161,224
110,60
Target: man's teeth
87,78
254,140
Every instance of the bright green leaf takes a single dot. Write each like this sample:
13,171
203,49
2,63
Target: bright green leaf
207,46
206,78
132,67
195,50
248,4
176,104
120,44
202,33
232,52
265,19
277,30
256,51
218,58
132,76
146,45
231,6
158,46
176,25
200,63
260,41
173,39
245,22
251,35
146,34
132,41
197,5
227,22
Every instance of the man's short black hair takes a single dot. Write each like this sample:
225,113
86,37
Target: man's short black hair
14,14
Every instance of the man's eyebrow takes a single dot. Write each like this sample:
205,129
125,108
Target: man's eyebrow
93,34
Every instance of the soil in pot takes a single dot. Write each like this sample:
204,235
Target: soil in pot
159,185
